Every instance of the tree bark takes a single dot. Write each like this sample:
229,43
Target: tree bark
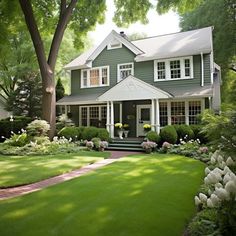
47,67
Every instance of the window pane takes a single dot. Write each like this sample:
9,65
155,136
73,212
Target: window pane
104,76
194,110
175,70
94,116
163,114
177,112
85,77
145,114
84,116
187,67
161,72
125,70
94,77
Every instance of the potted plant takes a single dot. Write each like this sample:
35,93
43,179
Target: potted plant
119,126
146,127
126,130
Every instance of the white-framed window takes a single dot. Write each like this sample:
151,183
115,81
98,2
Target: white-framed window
194,109
173,69
163,110
94,115
124,70
95,77
178,113
114,44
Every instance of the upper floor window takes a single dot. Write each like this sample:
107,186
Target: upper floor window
124,70
172,69
95,77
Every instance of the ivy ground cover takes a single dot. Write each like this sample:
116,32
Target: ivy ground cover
17,170
138,195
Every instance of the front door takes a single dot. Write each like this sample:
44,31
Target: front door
143,117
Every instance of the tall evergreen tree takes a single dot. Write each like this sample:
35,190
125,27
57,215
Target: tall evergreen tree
60,90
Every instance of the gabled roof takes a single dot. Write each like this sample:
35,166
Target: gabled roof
132,88
178,44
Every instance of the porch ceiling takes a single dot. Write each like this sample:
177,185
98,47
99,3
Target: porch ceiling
132,88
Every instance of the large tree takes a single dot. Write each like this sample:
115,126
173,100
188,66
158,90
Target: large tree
221,15
81,16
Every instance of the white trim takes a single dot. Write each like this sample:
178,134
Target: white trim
100,77
111,46
121,110
112,120
124,64
168,70
202,69
108,117
157,116
152,115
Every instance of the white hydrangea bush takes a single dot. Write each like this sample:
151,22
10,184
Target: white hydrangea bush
221,182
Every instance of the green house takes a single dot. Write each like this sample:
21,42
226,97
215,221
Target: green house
161,80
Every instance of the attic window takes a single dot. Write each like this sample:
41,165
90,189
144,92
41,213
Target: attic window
114,44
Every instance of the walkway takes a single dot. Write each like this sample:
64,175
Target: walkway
29,188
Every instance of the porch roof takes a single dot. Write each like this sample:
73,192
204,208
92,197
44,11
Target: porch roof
79,99
132,88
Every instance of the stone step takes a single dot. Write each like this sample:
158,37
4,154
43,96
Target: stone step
140,149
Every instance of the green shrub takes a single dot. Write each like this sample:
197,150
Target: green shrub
103,134
184,132
38,128
18,140
153,136
80,132
70,132
198,134
96,143
168,134
89,133
204,223
18,123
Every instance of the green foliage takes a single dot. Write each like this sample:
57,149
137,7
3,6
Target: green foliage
221,15
60,90
220,129
18,140
198,134
27,97
89,133
204,223
96,142
103,134
153,136
38,128
168,134
184,132
15,126
70,132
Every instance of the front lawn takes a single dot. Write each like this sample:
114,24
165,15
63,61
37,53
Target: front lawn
141,195
23,170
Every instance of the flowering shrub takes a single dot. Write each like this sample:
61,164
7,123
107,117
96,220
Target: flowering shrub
38,128
89,145
118,125
166,146
220,194
148,146
97,144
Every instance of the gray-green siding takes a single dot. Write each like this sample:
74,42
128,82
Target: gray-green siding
142,70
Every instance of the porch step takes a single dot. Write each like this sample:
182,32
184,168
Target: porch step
125,144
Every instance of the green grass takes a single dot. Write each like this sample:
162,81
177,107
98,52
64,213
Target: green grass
23,170
136,196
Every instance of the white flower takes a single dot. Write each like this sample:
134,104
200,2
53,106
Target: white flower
213,160
215,200
207,171
222,193
203,197
230,162
226,178
218,171
210,203
198,141
222,165
197,201
220,159
226,170
207,181
231,187
213,178
218,185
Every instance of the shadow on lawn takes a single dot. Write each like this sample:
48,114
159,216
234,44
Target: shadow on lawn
134,196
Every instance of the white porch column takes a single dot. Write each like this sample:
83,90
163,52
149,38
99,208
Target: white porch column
112,120
153,116
66,109
157,117
121,113
108,117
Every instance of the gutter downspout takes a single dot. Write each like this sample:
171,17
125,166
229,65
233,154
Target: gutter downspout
202,67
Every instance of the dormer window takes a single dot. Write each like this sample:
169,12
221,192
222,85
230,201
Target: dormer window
173,69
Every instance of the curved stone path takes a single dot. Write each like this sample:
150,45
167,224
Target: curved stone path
11,192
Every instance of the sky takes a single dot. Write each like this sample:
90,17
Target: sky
158,25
